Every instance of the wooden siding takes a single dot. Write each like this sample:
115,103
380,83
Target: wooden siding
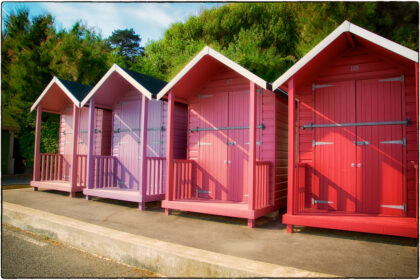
358,64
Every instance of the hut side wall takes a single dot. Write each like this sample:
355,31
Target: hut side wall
370,66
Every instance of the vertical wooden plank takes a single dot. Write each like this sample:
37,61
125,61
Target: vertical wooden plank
252,144
42,168
73,176
291,147
91,136
416,65
36,175
169,147
143,147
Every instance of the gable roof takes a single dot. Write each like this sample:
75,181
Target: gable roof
347,26
147,85
75,91
207,51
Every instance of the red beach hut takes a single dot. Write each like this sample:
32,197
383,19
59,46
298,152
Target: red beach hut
135,168
237,141
354,98
55,171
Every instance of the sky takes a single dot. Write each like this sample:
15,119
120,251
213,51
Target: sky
149,20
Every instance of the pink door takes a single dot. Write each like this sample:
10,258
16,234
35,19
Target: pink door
212,160
66,139
82,136
126,143
334,186
380,159
155,128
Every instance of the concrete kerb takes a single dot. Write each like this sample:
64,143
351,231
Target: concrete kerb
162,257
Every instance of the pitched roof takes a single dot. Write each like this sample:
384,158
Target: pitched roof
347,26
147,85
207,51
78,90
8,122
75,91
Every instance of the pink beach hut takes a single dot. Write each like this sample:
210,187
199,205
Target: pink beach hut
66,170
236,161
135,169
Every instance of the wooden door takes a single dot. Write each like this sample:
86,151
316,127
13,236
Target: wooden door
380,159
212,148
82,136
66,141
155,129
334,151
126,143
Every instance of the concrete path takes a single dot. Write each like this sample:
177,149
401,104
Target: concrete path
332,252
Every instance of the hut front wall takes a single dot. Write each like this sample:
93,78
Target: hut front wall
356,65
221,155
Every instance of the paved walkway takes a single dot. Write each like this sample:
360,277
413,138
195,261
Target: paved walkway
327,251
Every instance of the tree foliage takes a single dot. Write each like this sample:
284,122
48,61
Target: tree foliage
266,38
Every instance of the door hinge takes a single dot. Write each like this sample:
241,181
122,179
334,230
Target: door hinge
400,207
259,90
314,201
97,130
204,143
395,79
258,143
314,86
317,143
361,143
231,143
204,96
200,191
227,161
401,142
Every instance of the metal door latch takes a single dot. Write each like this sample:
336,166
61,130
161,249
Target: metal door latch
317,143
227,161
400,207
401,142
361,143
354,165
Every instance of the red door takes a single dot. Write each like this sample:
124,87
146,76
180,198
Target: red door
379,160
334,151
212,160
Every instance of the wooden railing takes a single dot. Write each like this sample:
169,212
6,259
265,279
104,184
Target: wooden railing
51,167
156,168
183,174
299,189
264,195
103,171
81,170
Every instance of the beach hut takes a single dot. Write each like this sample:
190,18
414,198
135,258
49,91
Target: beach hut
66,170
135,169
353,106
236,162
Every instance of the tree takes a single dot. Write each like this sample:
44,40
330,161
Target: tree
127,44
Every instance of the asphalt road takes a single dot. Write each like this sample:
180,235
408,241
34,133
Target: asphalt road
24,254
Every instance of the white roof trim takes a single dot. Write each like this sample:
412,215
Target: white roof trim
347,26
62,87
221,58
125,75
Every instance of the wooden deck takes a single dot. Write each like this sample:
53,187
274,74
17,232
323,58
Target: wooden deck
399,226
121,194
217,207
58,185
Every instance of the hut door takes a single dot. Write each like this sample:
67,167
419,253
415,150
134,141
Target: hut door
155,129
380,160
66,139
212,160
127,143
334,151
82,136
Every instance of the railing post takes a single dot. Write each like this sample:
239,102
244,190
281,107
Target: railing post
143,149
169,147
252,145
36,175
291,149
73,175
91,137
